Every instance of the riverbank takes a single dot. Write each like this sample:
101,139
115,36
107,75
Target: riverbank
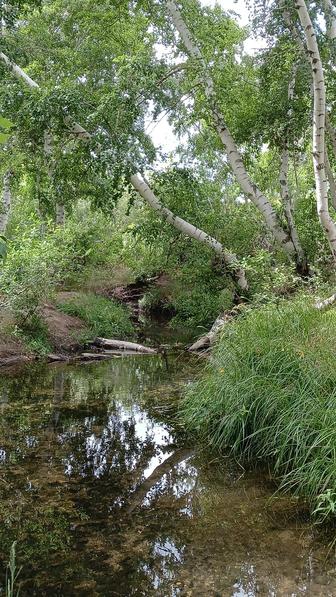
62,329
269,397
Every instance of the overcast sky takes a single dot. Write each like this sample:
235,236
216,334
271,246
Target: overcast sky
162,133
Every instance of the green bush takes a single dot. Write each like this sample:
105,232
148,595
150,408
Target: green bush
199,305
269,395
104,317
32,269
87,239
37,264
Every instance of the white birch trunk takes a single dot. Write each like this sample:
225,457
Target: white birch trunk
330,17
249,189
143,189
60,214
331,179
188,229
331,132
6,202
283,179
17,71
319,115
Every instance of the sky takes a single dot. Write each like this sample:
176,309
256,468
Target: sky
161,133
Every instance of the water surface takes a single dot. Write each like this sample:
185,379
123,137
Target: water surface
106,496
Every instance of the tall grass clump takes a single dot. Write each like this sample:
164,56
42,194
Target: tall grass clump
269,395
103,316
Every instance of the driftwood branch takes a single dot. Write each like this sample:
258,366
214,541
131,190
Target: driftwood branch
204,342
326,302
121,345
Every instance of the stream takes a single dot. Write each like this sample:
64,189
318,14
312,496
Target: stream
105,495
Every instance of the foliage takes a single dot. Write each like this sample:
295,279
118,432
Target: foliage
269,396
37,262
104,317
34,334
5,126
32,269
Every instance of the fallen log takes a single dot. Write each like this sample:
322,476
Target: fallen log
205,342
14,360
121,345
326,302
121,353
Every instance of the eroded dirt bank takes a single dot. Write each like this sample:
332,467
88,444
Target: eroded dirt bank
65,332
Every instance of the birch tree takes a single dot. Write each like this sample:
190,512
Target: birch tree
330,14
329,129
6,201
230,260
249,188
284,186
319,118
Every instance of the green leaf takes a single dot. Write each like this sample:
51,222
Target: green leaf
3,137
5,123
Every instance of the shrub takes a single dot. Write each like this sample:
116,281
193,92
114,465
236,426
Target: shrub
32,269
37,264
200,305
269,394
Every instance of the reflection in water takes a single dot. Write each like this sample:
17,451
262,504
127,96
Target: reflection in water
105,499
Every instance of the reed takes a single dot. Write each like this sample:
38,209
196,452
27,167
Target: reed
12,574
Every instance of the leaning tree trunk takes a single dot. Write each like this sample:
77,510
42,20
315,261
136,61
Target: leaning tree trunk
146,193
229,259
6,202
249,188
319,116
